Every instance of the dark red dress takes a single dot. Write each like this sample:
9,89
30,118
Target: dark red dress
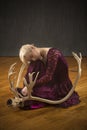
53,81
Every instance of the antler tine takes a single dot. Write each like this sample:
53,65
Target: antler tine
11,70
36,77
32,82
28,89
30,75
78,58
20,74
80,55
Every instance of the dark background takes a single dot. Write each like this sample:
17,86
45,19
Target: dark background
46,23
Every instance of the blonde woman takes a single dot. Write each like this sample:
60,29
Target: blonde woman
53,81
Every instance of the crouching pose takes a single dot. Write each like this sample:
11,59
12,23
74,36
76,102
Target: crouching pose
53,82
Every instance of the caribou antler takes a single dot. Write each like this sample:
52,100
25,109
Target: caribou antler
20,99
30,86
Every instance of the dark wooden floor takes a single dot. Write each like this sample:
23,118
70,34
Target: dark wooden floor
48,118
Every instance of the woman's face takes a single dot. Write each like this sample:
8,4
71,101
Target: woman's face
33,55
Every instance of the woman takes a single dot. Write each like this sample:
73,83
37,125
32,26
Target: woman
53,81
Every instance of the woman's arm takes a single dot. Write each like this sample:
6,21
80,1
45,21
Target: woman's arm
52,63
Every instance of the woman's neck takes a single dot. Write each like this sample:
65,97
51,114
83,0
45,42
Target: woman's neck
43,53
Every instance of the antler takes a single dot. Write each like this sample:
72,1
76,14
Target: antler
30,86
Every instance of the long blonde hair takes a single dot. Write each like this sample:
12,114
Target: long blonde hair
24,50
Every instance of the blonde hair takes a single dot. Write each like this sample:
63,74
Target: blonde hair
24,50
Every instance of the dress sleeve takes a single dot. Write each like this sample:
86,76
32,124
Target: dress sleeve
51,66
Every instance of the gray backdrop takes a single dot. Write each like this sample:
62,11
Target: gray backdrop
46,23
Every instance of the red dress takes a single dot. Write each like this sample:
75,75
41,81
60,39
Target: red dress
53,81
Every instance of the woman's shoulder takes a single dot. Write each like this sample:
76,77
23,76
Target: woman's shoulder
54,51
